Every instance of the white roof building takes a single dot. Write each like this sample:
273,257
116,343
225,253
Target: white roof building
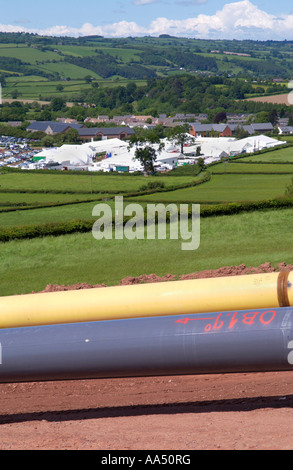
75,155
126,158
119,155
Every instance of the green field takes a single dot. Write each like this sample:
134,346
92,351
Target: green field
246,167
83,183
32,89
28,54
47,214
249,238
11,199
228,188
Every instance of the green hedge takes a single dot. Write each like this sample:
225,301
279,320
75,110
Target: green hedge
83,226
35,231
23,206
236,208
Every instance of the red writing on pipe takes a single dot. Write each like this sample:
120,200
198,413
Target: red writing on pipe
230,319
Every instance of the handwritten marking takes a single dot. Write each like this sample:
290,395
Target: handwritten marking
247,318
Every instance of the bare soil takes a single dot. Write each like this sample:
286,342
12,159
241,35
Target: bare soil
275,99
184,413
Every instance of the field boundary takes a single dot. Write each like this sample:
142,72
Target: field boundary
86,225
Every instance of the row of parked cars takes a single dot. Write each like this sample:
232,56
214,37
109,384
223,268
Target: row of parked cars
15,151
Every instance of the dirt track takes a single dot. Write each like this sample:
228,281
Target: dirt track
237,411
203,412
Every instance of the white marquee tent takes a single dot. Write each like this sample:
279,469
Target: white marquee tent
212,149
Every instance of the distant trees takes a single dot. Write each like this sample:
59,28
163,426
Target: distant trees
72,136
220,117
57,103
47,141
273,117
15,94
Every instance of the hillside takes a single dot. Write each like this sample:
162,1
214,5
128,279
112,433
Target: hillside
32,66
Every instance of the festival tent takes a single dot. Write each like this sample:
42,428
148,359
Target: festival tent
126,158
76,155
108,145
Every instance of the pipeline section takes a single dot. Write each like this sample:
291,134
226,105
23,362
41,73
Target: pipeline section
186,297
215,342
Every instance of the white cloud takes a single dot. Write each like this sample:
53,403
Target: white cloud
144,2
237,20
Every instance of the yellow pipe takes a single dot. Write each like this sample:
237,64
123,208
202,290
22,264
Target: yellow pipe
158,299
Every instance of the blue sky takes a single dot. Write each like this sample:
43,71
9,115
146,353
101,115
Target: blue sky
251,19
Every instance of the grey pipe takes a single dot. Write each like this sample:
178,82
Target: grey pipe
220,342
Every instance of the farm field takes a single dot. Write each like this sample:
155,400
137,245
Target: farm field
32,89
46,215
245,166
24,196
228,188
82,183
249,238
11,199
275,99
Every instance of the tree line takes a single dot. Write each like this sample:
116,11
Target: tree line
177,94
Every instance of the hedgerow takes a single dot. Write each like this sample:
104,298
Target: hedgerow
86,225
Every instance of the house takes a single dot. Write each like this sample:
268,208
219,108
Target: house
103,118
251,129
244,127
201,130
262,128
141,118
67,120
229,129
285,130
87,134
52,127
120,119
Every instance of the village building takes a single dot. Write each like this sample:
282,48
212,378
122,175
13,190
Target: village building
52,127
91,133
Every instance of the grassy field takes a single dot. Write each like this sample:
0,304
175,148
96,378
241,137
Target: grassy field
252,239
32,89
228,188
83,183
28,54
246,167
275,156
13,199
48,214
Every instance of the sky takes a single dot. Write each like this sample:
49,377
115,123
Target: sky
203,19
